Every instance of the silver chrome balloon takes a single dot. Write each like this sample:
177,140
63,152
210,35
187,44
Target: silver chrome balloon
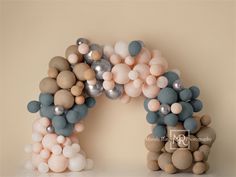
94,90
93,47
116,92
164,109
58,110
82,41
100,67
50,129
178,85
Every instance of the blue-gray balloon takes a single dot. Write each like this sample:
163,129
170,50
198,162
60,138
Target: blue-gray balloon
94,90
116,92
100,67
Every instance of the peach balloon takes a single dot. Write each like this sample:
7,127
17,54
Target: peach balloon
49,141
37,159
83,48
159,60
162,82
37,147
125,98
143,70
150,91
129,60
108,85
133,75
79,99
157,69
45,153
153,105
57,163
138,83
108,50
74,138
115,59
67,142
79,127
120,73
156,53
144,56
107,76
44,121
131,90
151,80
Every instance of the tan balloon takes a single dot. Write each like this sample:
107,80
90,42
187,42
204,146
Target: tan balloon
153,144
66,79
48,85
182,158
60,63
64,98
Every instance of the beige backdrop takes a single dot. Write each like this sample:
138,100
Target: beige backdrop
196,37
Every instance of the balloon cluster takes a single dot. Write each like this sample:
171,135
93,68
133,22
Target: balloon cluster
120,71
180,140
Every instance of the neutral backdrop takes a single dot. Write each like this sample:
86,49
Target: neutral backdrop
197,37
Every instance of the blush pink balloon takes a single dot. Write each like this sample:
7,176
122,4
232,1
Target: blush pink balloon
131,90
150,91
57,163
74,138
153,105
156,53
143,70
37,147
120,73
162,82
38,127
45,153
144,56
83,48
49,140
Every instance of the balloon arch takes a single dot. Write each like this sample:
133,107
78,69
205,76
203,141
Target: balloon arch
178,139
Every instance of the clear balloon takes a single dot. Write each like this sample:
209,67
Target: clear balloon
94,90
100,67
116,92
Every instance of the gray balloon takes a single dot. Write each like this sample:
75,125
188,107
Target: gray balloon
93,47
94,90
116,92
100,67
178,85
164,109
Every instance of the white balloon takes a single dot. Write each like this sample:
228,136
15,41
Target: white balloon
121,48
77,163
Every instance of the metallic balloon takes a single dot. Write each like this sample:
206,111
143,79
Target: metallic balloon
116,92
94,90
82,41
58,110
93,47
50,129
100,67
164,109
178,85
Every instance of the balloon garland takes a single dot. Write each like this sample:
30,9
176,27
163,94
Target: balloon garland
180,140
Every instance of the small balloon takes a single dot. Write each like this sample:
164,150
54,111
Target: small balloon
94,90
82,41
164,109
116,92
100,67
89,56
50,129
178,85
58,110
